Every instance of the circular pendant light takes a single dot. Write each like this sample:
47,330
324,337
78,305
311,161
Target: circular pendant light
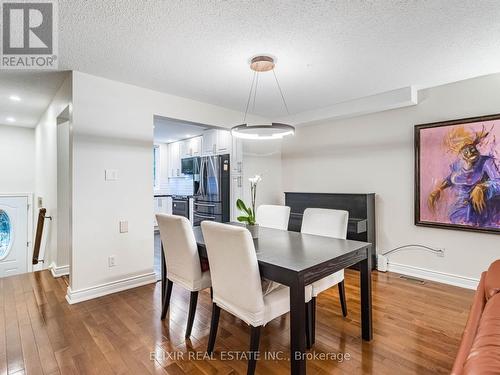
263,132
274,130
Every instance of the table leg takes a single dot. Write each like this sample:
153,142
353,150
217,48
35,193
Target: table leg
163,276
366,297
297,328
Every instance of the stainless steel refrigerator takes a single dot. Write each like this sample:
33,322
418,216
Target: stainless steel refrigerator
211,201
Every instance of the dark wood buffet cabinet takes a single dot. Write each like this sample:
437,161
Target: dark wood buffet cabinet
361,208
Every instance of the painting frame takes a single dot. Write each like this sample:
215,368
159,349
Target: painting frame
417,176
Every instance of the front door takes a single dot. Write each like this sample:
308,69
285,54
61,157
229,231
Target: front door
13,235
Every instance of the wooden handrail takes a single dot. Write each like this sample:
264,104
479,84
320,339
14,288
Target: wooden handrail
39,233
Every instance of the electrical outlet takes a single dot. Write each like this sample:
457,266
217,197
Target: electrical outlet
111,261
440,251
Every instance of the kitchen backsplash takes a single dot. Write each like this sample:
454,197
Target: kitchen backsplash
176,186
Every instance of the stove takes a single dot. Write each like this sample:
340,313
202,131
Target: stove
180,205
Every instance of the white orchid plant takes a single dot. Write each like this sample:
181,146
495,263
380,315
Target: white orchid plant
249,212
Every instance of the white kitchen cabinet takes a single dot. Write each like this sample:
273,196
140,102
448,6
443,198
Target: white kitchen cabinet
224,140
216,141
184,149
174,159
162,205
209,146
191,147
196,145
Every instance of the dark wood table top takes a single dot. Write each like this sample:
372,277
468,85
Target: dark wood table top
293,250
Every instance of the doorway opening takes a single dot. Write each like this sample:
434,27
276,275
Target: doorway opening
27,162
196,173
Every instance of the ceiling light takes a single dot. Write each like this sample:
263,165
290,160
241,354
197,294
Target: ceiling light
15,98
170,140
263,132
261,64
188,135
11,119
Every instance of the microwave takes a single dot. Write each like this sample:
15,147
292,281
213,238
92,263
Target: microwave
190,166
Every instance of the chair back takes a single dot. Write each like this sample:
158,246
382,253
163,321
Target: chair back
180,249
325,222
273,216
234,269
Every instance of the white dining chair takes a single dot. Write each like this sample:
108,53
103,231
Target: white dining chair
328,223
237,286
182,262
273,216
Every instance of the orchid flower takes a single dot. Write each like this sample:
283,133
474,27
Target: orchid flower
249,216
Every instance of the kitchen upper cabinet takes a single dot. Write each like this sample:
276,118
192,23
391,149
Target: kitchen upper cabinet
174,159
216,141
209,142
195,145
224,140
184,149
191,147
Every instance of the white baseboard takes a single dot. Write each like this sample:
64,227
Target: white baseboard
58,271
75,296
440,277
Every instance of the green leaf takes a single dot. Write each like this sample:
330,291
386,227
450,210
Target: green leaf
245,219
241,205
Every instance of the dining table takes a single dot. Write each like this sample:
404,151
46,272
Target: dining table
297,259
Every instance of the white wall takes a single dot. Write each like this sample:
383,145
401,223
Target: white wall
17,157
375,153
113,129
263,158
46,168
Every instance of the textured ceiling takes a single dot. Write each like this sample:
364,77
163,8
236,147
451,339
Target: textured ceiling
34,91
328,51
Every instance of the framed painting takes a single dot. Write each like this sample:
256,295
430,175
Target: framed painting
457,178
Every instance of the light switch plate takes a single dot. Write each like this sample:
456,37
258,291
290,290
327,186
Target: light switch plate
111,174
123,226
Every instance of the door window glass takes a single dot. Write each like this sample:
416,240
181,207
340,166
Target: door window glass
5,234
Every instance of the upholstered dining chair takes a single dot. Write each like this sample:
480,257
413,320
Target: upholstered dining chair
273,216
237,286
328,223
182,261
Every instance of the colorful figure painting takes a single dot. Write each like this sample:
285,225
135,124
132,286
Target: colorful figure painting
457,174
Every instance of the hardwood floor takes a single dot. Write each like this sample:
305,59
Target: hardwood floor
417,329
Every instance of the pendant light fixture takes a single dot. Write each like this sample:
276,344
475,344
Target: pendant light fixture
261,64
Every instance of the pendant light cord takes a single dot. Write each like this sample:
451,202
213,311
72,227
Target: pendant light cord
255,82
281,91
249,96
255,91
